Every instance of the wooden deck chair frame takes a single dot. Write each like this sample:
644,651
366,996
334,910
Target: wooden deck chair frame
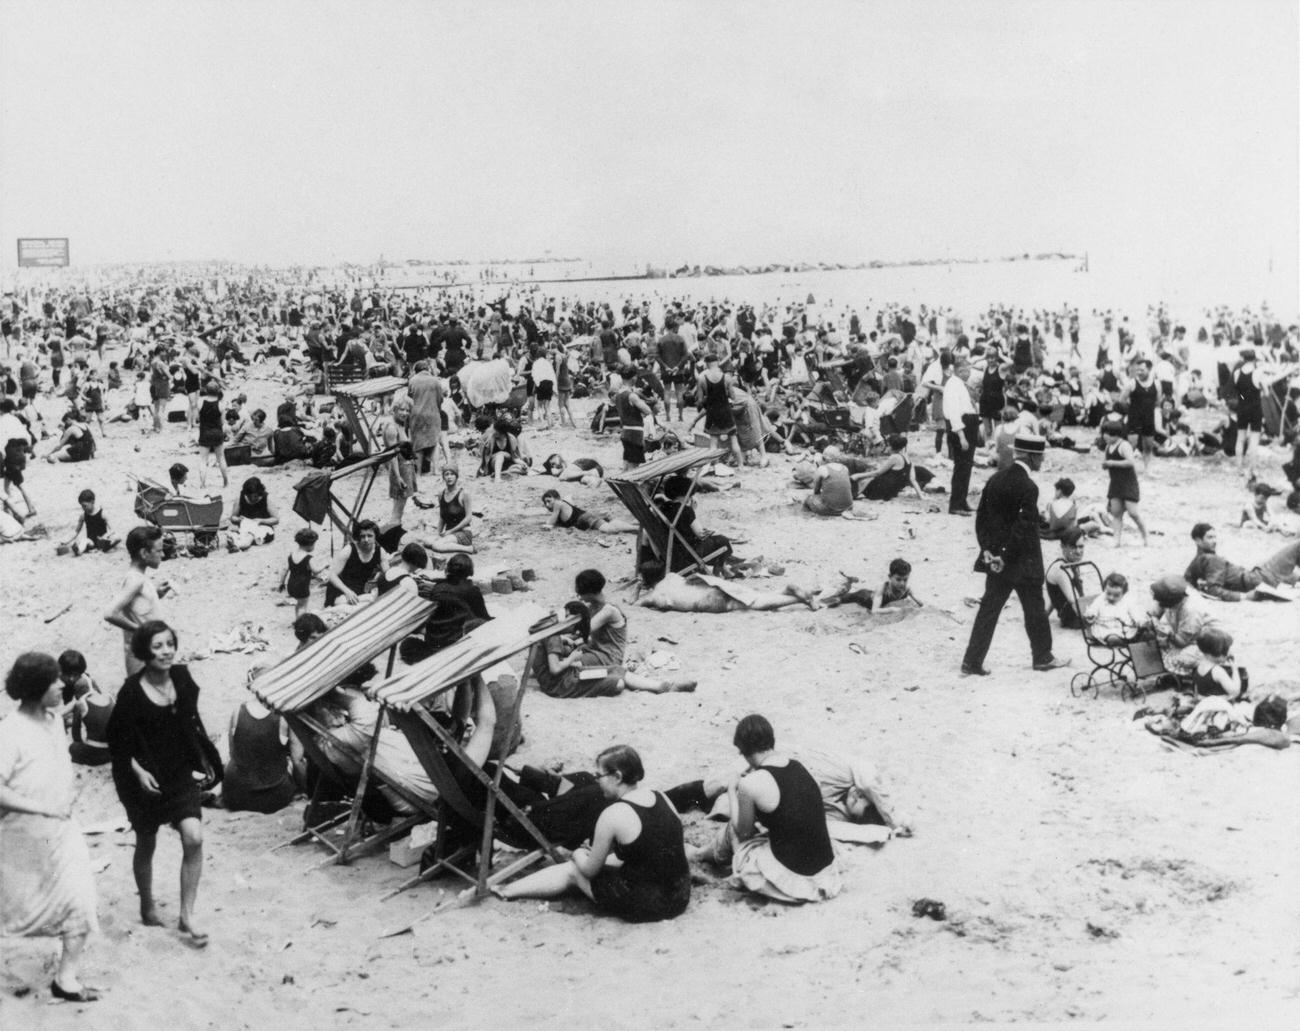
340,374
637,487
354,841
426,735
343,515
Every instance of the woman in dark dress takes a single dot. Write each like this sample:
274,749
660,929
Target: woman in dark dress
161,756
641,830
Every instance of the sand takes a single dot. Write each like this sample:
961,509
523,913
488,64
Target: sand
1087,872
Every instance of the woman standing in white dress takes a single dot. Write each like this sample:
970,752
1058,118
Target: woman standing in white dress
46,887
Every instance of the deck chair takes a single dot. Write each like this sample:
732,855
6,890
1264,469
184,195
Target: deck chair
338,374
317,498
407,698
293,685
637,488
355,399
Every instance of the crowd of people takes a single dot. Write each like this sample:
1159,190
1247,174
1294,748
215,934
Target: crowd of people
852,396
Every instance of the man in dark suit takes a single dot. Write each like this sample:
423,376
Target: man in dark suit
1011,556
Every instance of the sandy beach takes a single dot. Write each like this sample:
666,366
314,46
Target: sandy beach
1088,873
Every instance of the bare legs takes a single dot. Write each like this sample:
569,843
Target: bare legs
618,526
549,883
635,682
1118,509
191,831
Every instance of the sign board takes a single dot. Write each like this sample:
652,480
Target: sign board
42,251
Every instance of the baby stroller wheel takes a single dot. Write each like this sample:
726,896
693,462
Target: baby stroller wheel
1079,683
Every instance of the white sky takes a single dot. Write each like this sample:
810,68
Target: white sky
1159,130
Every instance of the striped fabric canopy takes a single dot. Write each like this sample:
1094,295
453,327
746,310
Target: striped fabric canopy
669,464
378,387
309,673
493,642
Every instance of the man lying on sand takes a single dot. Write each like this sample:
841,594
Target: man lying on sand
698,592
1227,581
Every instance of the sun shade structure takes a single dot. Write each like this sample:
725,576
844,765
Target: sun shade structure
407,697
637,488
316,492
310,673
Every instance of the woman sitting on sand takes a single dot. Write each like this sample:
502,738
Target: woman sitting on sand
503,450
636,867
586,471
897,474
563,669
77,443
567,515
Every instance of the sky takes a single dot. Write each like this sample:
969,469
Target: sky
1163,131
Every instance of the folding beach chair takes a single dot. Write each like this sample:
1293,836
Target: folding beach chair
363,403
317,498
407,698
637,488
293,685
899,420
339,374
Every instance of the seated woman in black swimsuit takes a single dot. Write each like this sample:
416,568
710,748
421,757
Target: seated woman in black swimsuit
650,878
357,567
77,444
454,516
897,474
567,515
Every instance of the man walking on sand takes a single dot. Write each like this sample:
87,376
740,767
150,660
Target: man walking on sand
1011,557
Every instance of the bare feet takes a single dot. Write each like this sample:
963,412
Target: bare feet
809,598
194,937
149,916
670,686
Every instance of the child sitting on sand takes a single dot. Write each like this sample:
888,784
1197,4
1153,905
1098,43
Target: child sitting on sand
1111,618
894,591
94,523
1255,515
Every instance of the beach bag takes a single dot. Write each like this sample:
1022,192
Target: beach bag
239,454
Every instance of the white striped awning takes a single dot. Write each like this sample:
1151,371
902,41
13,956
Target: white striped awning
493,642
309,673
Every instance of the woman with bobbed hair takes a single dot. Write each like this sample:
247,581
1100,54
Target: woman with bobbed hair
636,866
162,761
46,887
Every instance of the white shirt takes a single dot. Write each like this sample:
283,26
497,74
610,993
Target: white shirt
956,403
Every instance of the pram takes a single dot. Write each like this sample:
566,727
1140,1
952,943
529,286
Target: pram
201,517
1135,667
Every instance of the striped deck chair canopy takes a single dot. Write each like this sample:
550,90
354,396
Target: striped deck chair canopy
484,647
310,673
636,488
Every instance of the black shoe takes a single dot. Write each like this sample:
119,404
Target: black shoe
84,995
963,511
973,671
